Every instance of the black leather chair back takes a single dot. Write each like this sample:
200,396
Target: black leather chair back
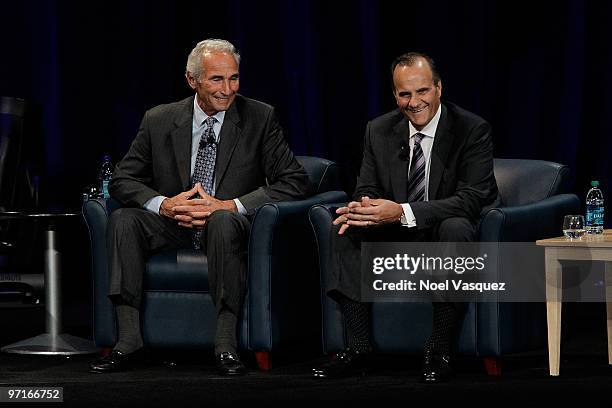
522,182
324,175
12,111
18,284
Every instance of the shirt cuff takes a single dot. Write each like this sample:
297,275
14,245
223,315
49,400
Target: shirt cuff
154,203
240,207
409,220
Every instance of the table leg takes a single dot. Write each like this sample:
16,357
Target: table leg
553,309
609,308
53,283
54,341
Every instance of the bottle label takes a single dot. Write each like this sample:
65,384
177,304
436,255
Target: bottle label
595,215
105,188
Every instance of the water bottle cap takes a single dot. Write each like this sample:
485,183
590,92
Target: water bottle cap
594,183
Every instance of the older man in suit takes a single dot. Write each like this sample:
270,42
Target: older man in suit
193,176
426,174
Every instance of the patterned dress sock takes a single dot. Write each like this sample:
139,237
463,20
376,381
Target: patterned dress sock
444,323
357,318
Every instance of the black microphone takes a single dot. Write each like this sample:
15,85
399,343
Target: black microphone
404,153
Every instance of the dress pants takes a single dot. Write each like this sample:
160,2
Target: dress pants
135,234
345,260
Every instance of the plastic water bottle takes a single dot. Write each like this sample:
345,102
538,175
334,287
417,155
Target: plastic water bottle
594,209
106,172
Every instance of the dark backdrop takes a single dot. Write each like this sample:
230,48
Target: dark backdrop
537,72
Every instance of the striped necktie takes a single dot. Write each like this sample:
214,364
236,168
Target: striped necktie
416,178
204,169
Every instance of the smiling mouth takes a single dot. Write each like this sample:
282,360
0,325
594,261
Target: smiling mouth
418,110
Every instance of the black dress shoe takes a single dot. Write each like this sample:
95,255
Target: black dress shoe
347,363
115,362
436,367
229,363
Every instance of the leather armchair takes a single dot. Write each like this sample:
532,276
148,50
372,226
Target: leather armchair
532,207
19,286
281,307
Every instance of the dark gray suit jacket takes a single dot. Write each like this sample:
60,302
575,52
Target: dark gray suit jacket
461,179
254,162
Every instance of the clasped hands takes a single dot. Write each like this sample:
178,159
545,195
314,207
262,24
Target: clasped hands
368,212
193,213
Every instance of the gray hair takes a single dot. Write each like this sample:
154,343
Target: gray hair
194,61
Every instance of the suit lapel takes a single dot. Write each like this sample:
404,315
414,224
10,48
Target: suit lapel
181,141
398,166
439,153
228,139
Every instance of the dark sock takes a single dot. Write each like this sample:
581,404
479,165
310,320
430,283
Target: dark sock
225,338
445,319
357,318
128,322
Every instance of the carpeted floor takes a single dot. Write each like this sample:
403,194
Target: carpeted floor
192,381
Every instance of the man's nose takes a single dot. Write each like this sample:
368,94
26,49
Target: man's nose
225,87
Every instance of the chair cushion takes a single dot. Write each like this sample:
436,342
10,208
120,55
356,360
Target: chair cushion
184,270
178,320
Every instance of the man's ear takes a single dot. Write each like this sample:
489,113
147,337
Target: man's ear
191,81
395,96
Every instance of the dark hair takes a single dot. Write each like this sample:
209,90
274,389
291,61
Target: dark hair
410,59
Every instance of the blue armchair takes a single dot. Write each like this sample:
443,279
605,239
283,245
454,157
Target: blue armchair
281,307
532,208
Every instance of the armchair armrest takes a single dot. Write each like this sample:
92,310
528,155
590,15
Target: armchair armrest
96,212
524,223
282,254
527,223
330,207
321,217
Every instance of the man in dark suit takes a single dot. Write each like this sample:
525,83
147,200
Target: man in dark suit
426,174
193,176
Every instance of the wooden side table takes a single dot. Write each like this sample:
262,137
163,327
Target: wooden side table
587,248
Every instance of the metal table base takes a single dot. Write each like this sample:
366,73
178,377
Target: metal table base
54,341
53,345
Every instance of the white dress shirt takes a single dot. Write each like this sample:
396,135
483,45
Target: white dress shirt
429,132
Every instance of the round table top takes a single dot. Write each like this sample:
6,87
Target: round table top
47,215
